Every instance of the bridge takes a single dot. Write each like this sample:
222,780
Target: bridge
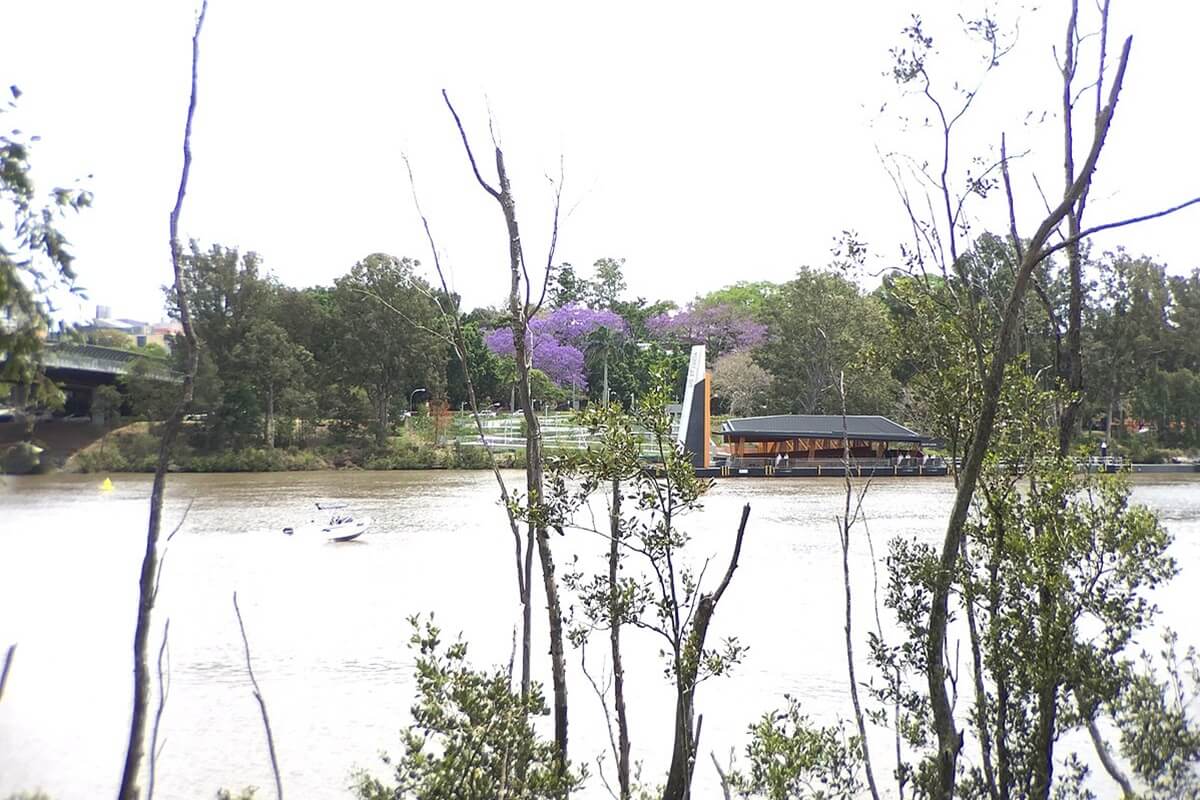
78,369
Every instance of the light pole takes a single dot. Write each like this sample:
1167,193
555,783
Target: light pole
413,395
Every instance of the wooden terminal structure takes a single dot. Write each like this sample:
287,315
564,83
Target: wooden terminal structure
812,444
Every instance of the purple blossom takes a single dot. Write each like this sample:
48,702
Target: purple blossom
722,328
570,324
562,363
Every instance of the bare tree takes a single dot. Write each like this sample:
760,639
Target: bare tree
147,584
522,306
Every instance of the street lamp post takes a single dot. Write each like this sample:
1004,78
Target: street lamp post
413,395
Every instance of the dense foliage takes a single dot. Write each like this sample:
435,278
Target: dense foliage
291,367
35,256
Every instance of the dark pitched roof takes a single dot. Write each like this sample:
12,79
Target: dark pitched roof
820,426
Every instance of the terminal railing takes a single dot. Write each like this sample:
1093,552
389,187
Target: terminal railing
750,462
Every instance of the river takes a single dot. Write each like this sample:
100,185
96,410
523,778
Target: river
327,623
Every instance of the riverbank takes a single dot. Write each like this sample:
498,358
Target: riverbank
134,448
80,447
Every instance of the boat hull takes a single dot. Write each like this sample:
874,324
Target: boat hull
345,532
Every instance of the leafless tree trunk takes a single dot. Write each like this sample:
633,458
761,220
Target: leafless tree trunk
521,308
147,582
683,751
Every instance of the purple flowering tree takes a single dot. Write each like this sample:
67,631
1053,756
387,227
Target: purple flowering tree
562,363
573,324
597,331
722,329
557,342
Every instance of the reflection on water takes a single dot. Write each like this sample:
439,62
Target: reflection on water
327,623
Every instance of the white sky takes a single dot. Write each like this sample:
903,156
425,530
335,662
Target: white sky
703,142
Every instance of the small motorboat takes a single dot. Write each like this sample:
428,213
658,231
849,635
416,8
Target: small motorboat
340,526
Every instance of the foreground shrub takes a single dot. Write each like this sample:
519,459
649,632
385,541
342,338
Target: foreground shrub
471,737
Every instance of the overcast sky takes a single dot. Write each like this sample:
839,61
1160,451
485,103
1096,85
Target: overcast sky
704,143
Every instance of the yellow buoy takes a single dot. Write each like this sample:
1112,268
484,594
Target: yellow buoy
107,486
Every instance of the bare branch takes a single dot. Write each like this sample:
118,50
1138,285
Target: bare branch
1008,193
602,696
470,155
721,774
262,704
1119,224
553,240
162,559
8,660
733,559
1109,763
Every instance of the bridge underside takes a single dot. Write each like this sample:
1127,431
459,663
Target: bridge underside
79,386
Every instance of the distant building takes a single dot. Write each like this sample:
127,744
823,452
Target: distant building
141,333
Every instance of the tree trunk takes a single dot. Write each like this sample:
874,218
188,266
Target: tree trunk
271,417
520,310
1074,259
683,750
614,635
605,401
533,458
381,413
147,581
948,736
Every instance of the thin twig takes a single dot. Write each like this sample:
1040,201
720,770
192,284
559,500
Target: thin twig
262,704
602,696
722,775
8,660
162,559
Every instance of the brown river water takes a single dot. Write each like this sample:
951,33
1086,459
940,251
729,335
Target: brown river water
328,630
